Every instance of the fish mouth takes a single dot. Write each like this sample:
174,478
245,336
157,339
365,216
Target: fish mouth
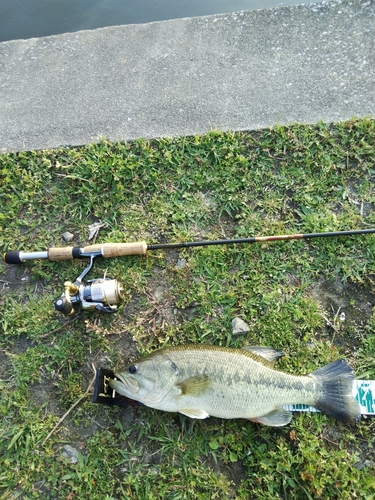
129,384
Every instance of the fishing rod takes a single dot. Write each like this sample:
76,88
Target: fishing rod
104,294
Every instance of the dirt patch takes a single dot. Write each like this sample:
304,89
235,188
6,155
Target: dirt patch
354,300
13,279
45,393
345,307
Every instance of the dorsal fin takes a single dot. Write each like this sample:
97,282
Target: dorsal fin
264,352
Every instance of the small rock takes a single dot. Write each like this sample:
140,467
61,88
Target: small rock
67,236
365,463
310,345
159,294
181,263
70,453
239,326
154,471
170,315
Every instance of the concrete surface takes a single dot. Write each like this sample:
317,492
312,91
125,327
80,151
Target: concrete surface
238,71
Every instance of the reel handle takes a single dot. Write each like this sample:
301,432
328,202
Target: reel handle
63,305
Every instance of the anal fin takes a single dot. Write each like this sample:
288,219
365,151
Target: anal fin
276,418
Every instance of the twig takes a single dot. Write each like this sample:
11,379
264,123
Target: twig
334,324
336,329
19,282
332,442
68,176
72,407
58,328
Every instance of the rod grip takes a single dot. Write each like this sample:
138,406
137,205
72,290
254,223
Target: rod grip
63,253
109,250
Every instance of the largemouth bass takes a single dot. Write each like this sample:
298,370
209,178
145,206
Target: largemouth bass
203,380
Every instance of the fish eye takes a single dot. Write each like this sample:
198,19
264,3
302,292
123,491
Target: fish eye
132,369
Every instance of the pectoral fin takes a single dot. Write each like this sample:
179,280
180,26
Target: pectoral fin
195,386
195,413
275,418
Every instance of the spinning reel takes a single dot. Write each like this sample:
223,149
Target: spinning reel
101,294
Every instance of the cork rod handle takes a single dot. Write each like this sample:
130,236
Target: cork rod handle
107,250
64,253
118,249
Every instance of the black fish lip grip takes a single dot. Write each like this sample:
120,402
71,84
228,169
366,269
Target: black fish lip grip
104,394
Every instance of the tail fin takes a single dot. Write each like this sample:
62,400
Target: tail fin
336,398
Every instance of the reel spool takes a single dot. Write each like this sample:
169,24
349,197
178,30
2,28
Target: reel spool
101,294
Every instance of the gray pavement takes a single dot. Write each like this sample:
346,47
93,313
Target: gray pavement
237,71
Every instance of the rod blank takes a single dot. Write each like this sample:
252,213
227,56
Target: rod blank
257,239
140,248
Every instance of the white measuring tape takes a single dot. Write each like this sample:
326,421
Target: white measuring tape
363,391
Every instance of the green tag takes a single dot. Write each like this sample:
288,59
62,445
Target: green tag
363,391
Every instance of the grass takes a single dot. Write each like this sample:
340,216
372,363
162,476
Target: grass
220,185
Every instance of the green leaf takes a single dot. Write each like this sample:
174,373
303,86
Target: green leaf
214,445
